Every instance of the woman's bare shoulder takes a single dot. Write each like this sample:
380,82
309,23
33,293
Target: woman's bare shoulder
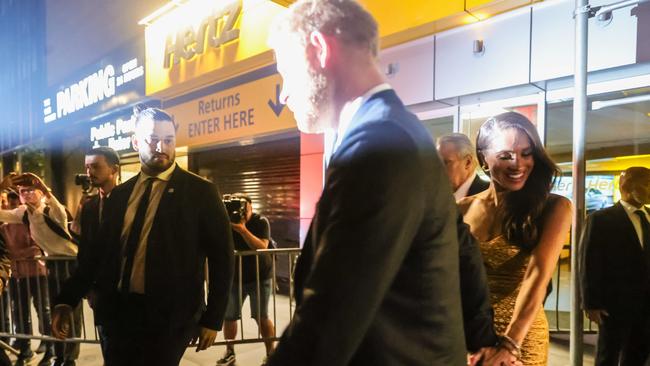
557,208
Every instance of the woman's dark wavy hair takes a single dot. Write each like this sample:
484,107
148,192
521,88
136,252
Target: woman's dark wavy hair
523,208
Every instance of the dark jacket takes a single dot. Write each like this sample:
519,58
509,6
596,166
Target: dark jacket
478,185
615,274
377,280
190,225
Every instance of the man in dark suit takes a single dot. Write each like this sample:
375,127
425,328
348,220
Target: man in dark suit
377,280
102,167
158,230
615,253
457,153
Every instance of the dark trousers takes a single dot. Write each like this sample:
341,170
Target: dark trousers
23,291
624,337
58,272
130,340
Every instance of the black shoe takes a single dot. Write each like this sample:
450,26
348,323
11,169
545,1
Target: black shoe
47,357
42,347
227,359
58,362
24,358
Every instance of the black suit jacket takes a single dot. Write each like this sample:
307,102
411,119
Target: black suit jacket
190,226
614,271
478,185
377,280
88,259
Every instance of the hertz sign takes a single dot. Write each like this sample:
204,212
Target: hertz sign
216,29
201,36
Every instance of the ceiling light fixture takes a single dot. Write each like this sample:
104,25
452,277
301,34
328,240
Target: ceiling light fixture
599,104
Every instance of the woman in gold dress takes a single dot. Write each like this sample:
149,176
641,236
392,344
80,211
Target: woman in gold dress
521,228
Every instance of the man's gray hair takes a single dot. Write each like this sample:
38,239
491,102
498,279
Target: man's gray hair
462,144
344,20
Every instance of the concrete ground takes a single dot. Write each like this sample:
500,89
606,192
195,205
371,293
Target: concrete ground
253,354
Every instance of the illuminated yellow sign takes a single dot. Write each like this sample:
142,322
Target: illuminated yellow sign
244,111
183,43
216,29
233,31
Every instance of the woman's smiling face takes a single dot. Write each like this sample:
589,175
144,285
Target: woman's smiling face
510,159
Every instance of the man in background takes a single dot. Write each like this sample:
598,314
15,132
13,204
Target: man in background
458,155
47,219
251,232
615,259
102,167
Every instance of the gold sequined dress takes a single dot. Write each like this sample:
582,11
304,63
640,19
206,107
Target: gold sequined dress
505,266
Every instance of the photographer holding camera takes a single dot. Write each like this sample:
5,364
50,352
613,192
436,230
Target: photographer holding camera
251,231
102,170
47,219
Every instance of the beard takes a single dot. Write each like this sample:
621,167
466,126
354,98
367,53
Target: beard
316,114
157,162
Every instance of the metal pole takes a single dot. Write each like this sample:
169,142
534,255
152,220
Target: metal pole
618,5
579,122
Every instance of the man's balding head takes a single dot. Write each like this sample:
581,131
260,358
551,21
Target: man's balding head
635,185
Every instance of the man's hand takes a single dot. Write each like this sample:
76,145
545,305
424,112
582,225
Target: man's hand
8,181
32,180
239,227
497,356
62,321
596,315
206,338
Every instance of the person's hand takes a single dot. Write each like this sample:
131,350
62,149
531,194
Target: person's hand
498,356
8,181
239,227
206,338
61,321
596,315
32,180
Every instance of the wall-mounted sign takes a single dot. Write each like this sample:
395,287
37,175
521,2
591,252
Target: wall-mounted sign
115,133
242,111
115,81
215,29
201,36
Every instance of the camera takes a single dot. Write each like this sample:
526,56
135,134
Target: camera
236,207
83,180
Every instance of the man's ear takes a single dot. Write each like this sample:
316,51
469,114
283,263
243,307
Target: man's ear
468,162
322,47
134,142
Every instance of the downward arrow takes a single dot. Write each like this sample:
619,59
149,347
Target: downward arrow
276,106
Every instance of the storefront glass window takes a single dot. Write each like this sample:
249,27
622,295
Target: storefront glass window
617,137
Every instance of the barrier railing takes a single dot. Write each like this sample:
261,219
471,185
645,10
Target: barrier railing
32,289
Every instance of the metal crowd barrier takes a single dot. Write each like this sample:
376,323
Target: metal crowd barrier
557,305
26,298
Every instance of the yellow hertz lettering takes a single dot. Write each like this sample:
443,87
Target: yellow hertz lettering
216,29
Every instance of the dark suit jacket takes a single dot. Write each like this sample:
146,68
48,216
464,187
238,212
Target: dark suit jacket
478,185
478,315
378,275
88,259
614,271
190,225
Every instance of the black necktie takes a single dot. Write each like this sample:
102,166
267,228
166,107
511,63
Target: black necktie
134,235
645,234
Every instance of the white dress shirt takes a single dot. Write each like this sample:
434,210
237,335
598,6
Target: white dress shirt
636,220
347,114
157,189
462,191
51,243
